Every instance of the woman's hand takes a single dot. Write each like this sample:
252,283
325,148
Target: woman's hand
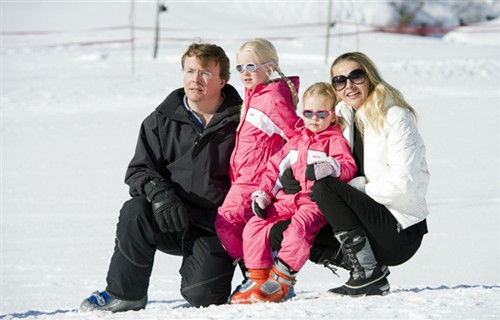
358,183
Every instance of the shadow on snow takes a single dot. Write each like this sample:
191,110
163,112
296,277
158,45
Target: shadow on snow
461,286
34,313
183,303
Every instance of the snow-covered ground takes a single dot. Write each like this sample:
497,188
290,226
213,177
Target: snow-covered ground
70,116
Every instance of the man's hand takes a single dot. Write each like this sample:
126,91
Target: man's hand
321,170
290,185
168,209
260,201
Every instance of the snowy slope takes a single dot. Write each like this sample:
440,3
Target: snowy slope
70,116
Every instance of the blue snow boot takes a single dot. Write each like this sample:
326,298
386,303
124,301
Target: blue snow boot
104,302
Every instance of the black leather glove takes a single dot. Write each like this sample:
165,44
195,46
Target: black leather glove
289,183
168,209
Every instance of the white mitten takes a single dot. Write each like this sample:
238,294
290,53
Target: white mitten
358,183
260,201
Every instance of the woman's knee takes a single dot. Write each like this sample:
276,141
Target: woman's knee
325,191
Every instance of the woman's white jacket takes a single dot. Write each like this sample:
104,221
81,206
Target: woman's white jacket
394,164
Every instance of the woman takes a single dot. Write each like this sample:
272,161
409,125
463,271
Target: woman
378,218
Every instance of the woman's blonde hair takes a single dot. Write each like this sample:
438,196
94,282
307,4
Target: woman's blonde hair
324,89
264,51
382,95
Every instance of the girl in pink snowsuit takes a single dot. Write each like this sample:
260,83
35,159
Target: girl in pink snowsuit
268,120
320,150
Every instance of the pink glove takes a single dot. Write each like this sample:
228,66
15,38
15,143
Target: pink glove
320,170
260,201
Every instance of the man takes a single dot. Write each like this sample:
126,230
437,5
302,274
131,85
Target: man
178,177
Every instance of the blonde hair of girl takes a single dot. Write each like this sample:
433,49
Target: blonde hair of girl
324,89
264,51
382,95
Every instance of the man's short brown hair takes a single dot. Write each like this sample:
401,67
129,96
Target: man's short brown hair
205,53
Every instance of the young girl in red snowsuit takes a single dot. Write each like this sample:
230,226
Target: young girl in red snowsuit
268,120
320,150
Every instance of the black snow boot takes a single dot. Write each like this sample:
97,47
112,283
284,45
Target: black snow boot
367,277
330,258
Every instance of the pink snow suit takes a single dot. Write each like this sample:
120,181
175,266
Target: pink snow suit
268,121
306,218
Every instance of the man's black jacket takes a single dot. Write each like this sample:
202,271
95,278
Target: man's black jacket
194,163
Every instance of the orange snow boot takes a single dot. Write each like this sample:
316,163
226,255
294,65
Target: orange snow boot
276,287
243,293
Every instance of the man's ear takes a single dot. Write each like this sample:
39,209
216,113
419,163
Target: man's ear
222,83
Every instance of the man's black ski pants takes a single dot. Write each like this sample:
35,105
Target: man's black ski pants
206,269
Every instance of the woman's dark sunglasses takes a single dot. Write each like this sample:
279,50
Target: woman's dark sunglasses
321,114
357,76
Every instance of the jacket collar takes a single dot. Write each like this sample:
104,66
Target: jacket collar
307,134
277,85
173,108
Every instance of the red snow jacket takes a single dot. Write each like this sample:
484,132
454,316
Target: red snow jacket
306,218
308,148
268,121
